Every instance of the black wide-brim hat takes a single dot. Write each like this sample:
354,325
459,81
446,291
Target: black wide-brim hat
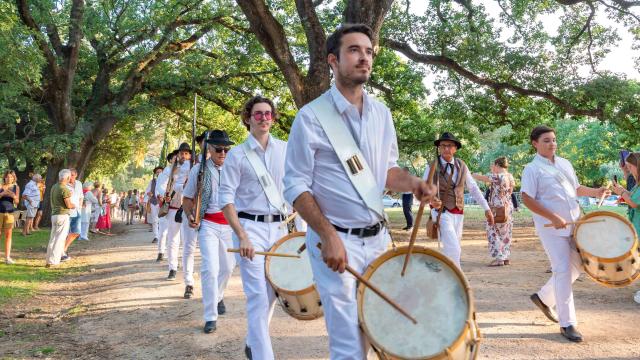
447,136
184,147
219,137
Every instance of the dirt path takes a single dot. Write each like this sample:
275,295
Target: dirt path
124,308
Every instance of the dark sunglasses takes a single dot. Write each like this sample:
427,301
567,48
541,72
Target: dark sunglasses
220,149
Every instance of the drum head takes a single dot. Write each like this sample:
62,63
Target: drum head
611,237
290,274
431,290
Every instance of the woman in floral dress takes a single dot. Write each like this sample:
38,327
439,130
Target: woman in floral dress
501,185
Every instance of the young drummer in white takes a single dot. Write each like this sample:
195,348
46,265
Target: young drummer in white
455,172
153,204
214,234
254,220
161,188
550,189
321,191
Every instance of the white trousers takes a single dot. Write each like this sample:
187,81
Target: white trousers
450,233
162,231
566,267
260,295
216,266
173,239
84,230
338,292
189,244
59,232
154,220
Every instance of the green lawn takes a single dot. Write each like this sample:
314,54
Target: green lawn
474,215
23,278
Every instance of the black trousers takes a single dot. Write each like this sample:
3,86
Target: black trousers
407,202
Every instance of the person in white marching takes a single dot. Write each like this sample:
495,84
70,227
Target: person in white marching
190,234
252,204
174,231
150,192
326,192
214,233
452,176
161,187
550,189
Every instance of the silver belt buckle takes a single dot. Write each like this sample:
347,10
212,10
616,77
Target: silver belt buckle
268,218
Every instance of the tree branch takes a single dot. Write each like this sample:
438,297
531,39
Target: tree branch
452,65
28,20
587,26
316,38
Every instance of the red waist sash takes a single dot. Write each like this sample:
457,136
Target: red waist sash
217,218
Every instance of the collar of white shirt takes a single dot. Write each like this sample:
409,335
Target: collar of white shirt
342,104
254,144
545,160
444,162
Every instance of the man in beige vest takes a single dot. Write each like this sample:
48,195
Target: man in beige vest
452,177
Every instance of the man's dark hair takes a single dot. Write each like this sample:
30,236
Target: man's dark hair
334,41
539,131
248,106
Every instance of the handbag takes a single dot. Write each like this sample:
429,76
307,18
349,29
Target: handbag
500,215
178,217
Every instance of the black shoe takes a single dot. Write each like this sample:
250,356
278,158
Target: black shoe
407,228
247,352
571,333
172,275
155,240
547,311
209,327
188,292
160,257
221,308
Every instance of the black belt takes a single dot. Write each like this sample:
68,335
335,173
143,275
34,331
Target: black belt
372,230
261,218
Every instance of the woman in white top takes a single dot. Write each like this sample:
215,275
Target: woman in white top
550,189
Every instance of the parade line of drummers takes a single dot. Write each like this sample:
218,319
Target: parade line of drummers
249,204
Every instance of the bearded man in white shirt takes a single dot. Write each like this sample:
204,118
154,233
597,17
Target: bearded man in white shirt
324,194
550,189
214,232
452,176
161,187
253,206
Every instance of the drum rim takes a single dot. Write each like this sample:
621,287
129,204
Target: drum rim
402,250
267,263
626,221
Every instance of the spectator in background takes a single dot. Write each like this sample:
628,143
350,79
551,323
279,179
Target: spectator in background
113,203
75,186
89,203
104,220
61,204
132,205
9,198
31,199
36,221
407,203
95,210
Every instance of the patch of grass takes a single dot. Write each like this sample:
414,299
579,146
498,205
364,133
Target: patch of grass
47,350
37,241
78,309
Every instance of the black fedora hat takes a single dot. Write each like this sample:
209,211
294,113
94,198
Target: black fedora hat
447,136
219,137
184,147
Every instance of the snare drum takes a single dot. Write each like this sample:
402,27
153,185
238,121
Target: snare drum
435,292
608,248
292,279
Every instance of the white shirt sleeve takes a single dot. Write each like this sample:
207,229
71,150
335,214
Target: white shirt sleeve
474,190
529,182
230,177
299,160
162,182
393,152
426,172
190,188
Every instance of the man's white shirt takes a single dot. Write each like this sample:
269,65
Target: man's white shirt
249,196
32,192
469,183
190,188
76,197
313,166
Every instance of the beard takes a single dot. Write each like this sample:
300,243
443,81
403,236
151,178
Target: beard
353,78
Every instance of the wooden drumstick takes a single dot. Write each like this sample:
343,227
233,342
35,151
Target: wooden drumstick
286,221
416,225
266,253
579,222
378,292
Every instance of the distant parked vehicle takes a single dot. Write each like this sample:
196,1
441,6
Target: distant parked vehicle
586,201
388,201
611,201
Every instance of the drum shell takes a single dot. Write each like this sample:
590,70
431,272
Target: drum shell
465,347
301,304
614,272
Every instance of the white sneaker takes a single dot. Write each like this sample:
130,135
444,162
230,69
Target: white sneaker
636,297
9,261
